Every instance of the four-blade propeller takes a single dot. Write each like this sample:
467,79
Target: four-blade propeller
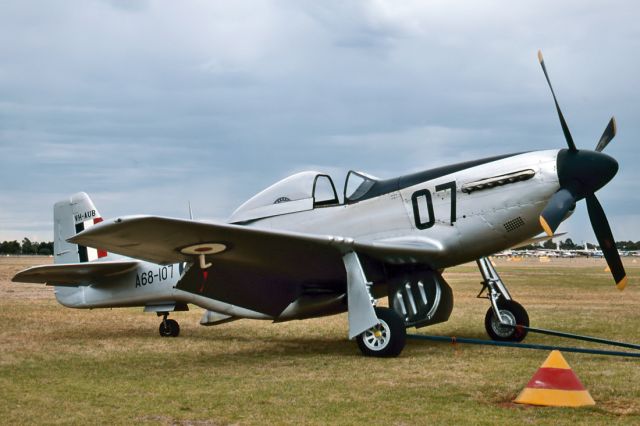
581,174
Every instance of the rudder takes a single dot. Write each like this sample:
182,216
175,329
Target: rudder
71,216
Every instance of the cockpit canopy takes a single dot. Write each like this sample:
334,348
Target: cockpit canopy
299,192
303,191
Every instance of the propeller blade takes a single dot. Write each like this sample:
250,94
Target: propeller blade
609,133
605,239
563,123
556,209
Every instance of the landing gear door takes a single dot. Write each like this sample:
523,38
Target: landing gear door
421,298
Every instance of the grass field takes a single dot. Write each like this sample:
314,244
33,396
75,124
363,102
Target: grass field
60,365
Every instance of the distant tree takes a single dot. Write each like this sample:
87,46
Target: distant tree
44,251
628,245
28,247
549,244
567,244
45,248
10,247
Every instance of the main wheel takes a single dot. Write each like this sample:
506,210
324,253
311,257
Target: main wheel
386,339
513,314
169,328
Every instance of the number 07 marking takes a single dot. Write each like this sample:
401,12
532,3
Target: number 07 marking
426,195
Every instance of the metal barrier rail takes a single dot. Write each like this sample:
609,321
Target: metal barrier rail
579,337
455,340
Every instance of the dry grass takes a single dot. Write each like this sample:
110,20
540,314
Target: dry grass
59,365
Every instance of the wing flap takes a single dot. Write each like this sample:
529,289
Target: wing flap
74,274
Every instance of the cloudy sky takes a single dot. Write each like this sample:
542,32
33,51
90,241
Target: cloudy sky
147,105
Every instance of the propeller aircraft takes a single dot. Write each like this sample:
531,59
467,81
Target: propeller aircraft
296,250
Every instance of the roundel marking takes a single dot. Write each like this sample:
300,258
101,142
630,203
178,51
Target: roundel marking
205,248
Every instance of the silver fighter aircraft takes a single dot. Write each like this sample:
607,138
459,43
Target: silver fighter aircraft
297,250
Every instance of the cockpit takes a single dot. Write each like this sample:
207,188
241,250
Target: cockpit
357,185
303,191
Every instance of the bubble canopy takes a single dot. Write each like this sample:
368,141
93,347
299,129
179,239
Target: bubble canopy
298,192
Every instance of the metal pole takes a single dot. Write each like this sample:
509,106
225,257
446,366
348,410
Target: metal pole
521,345
578,337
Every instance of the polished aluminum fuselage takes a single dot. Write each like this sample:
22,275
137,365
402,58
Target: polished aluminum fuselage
483,219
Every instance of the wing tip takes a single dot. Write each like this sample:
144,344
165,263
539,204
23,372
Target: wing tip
622,283
546,227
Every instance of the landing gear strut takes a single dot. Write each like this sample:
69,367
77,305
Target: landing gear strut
168,327
505,317
380,332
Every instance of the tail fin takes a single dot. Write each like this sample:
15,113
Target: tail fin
71,216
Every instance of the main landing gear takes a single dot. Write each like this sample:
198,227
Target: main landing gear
380,332
168,327
505,317
387,339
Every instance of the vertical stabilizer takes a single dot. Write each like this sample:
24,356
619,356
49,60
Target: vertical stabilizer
71,216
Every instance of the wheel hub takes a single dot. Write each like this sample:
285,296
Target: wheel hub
377,337
503,330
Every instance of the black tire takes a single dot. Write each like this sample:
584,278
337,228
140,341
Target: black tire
171,329
392,339
515,313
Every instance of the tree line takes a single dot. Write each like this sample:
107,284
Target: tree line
568,244
26,247
46,248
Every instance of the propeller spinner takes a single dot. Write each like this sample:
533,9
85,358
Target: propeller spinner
581,174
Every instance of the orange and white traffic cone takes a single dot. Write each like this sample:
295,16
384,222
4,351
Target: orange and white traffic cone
556,385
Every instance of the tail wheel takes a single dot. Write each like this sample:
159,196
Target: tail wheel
387,339
513,314
169,328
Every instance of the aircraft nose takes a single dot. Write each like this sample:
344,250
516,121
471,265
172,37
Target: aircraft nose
584,172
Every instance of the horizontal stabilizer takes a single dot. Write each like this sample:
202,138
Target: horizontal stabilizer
74,274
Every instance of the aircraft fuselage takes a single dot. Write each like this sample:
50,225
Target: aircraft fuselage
462,225
460,216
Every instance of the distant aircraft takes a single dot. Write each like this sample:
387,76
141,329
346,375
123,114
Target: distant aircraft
589,252
519,250
296,250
